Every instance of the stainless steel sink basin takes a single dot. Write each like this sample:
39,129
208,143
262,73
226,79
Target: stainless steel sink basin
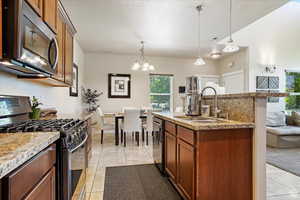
198,119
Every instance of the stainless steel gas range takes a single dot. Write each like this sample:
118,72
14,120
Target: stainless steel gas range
72,156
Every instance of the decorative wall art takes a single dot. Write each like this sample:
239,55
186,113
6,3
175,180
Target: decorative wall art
74,87
268,84
119,85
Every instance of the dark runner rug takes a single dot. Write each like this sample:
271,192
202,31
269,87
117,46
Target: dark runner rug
285,159
137,182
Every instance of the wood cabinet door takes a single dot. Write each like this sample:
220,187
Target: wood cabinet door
186,168
45,189
50,13
68,56
170,155
60,69
37,5
1,29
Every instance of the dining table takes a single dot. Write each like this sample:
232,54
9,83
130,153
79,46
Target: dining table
118,117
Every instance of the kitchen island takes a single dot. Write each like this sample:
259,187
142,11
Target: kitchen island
28,165
215,159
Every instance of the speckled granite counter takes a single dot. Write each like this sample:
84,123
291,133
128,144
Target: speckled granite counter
220,124
250,94
16,149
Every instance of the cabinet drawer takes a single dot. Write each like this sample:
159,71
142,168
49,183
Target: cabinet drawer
170,127
25,178
186,134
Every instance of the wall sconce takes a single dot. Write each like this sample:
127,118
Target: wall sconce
270,69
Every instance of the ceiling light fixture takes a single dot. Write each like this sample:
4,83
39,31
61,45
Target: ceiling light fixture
230,47
215,52
199,60
141,63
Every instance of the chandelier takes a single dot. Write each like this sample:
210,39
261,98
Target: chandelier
141,63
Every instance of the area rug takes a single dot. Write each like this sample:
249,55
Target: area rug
285,159
137,182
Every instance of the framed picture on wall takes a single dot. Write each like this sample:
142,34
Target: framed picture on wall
74,87
119,85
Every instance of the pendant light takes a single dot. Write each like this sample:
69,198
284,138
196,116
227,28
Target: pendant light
141,63
230,47
215,52
199,60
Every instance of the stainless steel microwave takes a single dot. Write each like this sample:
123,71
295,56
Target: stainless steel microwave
29,46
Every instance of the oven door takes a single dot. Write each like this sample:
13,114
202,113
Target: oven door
77,171
30,43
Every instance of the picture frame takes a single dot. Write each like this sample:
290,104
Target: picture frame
119,85
74,87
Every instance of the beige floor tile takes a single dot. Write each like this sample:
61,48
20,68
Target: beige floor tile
96,196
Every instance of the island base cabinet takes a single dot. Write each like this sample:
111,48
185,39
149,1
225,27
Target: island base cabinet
186,169
170,155
224,165
45,189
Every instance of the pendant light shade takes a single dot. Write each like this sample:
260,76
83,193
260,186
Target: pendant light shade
199,60
215,52
230,47
141,63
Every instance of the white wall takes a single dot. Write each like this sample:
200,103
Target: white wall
49,96
233,70
99,65
273,39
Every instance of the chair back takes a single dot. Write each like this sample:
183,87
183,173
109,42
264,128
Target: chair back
127,108
132,120
149,121
179,109
100,117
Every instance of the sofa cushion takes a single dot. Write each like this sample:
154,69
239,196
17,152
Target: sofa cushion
296,118
276,119
284,130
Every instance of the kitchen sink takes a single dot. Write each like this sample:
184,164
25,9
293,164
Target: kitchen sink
199,119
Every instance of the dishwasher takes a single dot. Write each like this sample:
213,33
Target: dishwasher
158,144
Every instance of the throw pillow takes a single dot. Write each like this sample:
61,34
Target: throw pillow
296,117
276,119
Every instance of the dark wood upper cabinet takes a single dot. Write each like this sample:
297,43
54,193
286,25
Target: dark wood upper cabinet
1,29
37,5
50,10
60,69
186,169
68,56
170,155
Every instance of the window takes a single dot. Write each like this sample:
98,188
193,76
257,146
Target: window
161,92
293,87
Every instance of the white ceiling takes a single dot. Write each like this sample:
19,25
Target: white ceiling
169,27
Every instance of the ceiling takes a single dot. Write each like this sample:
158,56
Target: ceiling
168,27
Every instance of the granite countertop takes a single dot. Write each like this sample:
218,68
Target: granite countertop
197,126
250,94
16,148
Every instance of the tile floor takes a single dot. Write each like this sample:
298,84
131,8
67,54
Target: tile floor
108,155
281,185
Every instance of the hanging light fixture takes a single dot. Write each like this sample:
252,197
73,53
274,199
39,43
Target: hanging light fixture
141,63
199,60
230,47
215,52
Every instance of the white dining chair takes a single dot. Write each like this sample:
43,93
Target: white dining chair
101,122
148,125
131,124
179,109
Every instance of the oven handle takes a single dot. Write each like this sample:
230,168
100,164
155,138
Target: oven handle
81,144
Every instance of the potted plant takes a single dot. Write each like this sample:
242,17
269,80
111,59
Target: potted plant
36,111
90,97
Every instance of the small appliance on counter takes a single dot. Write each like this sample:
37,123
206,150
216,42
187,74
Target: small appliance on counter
71,147
192,96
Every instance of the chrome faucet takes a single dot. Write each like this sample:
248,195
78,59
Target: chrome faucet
215,109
